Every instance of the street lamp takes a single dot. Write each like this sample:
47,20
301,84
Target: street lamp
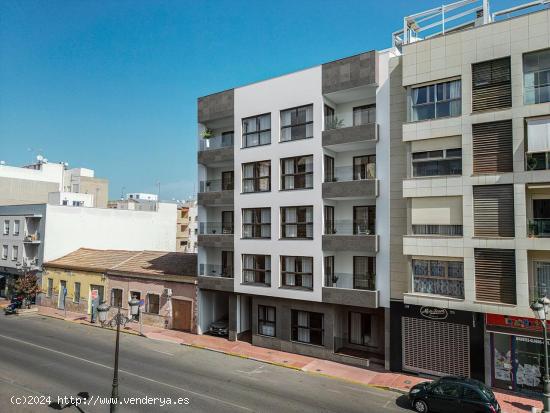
541,309
117,320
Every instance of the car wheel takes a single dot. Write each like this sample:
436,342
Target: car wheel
420,406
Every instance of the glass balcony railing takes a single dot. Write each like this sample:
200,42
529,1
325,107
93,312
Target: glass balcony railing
539,227
215,228
365,117
216,142
538,161
215,185
351,173
444,230
215,270
350,281
349,227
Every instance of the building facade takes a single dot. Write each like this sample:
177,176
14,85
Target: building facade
186,227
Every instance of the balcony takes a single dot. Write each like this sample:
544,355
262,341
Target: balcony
349,182
352,75
216,106
215,192
33,238
438,230
351,289
216,277
539,161
340,137
31,263
347,235
216,150
216,234
539,227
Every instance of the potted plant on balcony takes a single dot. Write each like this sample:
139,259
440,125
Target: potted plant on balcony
206,134
334,280
333,122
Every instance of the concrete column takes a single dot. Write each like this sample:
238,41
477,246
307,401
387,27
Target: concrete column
234,316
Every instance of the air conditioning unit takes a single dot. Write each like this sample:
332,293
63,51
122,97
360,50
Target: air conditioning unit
168,292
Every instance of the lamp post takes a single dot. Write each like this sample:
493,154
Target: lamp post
541,309
117,320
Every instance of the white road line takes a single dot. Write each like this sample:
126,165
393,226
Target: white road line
162,352
205,396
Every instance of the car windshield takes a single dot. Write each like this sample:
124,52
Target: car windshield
487,392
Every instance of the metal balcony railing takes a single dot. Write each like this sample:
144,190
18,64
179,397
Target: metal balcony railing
539,227
215,185
216,228
349,227
368,116
439,286
350,281
444,230
31,237
351,173
215,270
216,142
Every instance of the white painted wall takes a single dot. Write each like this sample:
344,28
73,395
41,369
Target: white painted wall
48,172
57,198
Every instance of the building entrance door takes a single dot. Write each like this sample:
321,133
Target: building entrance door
182,314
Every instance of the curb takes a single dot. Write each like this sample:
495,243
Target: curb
122,330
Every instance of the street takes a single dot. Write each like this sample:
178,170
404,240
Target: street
50,358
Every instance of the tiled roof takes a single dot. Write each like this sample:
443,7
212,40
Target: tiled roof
91,259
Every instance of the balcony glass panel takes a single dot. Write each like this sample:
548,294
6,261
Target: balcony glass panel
215,228
349,227
217,142
363,281
215,270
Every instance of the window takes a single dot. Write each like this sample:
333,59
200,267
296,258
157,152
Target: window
542,279
228,181
364,269
363,115
116,297
330,278
266,320
297,123
256,269
257,176
536,77
491,85
539,225
4,252
76,297
436,101
447,389
329,118
14,252
538,143
16,227
257,223
436,163
227,222
329,220
359,328
364,167
227,264
6,227
227,139
153,301
307,327
50,287
438,277
182,228
297,222
364,220
297,172
297,272
472,394
257,131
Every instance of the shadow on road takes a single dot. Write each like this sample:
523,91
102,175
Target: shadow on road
403,402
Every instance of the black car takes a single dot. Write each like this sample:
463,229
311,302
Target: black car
453,395
219,328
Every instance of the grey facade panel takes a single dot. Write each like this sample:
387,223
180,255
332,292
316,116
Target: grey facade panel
215,198
216,240
351,134
351,189
216,106
363,243
351,72
215,155
216,283
356,298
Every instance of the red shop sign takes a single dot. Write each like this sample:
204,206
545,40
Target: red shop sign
520,323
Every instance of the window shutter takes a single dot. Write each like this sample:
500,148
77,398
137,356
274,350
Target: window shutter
491,85
538,135
492,147
495,272
494,211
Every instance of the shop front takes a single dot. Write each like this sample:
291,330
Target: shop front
517,353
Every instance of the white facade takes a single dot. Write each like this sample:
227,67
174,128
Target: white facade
142,196
71,199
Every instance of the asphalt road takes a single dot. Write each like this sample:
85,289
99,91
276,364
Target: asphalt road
45,358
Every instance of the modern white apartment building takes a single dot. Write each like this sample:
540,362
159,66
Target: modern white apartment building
294,210
471,105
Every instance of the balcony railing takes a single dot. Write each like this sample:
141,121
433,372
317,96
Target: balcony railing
334,122
215,228
349,227
215,185
439,286
351,173
32,237
443,230
215,270
216,142
351,281
539,227
538,161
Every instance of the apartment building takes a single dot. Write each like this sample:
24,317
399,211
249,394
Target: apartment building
293,210
186,227
471,105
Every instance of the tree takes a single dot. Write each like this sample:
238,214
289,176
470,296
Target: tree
27,286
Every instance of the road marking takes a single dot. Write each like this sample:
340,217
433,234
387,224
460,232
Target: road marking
163,352
127,372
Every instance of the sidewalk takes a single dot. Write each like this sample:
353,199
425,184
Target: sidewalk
510,403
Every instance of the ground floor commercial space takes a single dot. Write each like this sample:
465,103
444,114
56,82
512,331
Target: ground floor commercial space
436,341
8,278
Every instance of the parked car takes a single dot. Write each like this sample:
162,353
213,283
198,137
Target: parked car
219,328
453,395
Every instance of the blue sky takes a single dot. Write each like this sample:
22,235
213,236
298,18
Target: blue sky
112,85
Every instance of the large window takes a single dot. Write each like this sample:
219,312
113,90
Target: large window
228,178
297,222
256,269
364,167
436,163
4,252
76,296
297,123
257,223
364,269
116,297
536,77
257,176
6,227
297,172
16,227
257,130
364,220
363,115
153,303
14,252
266,320
542,279
436,101
438,277
307,327
50,287
297,272
359,328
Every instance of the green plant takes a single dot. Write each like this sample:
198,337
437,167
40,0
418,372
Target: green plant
207,133
531,163
333,122
27,286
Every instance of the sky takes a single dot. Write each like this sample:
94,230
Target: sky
113,85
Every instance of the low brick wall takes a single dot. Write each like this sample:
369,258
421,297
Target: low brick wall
81,307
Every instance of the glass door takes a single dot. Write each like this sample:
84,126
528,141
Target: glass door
502,361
